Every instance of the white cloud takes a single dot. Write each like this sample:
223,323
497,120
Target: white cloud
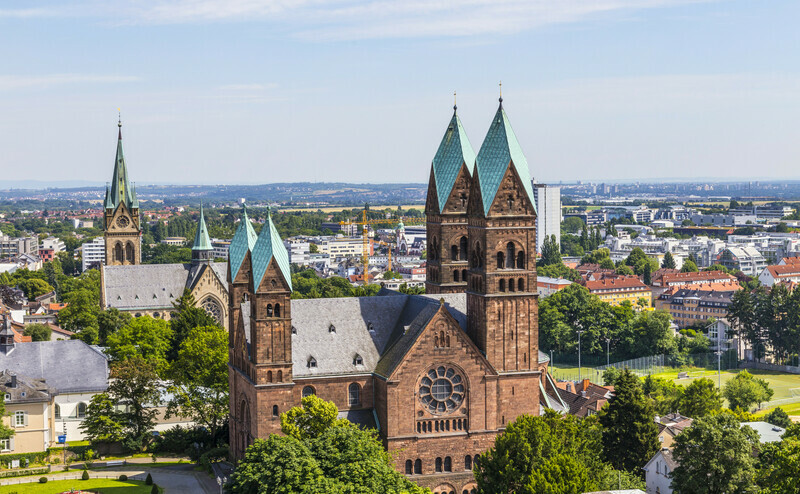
11,82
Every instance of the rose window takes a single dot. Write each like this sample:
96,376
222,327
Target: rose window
212,308
441,390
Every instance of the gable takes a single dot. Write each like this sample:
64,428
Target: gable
432,200
273,279
459,195
243,273
122,221
209,280
511,197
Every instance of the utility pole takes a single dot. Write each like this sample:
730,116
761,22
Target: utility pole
608,352
719,370
579,331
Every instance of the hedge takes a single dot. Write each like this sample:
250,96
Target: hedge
23,471
38,457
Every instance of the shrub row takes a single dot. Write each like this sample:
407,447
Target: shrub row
24,471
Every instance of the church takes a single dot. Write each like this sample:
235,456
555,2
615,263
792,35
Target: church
438,375
150,289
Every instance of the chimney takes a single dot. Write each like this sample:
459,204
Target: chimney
658,419
583,394
13,381
586,384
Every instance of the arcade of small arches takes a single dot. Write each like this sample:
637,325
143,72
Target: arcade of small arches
353,392
122,254
440,465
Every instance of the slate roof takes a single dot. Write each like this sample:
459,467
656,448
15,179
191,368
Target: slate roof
27,390
243,241
69,366
151,286
767,433
499,148
268,246
454,151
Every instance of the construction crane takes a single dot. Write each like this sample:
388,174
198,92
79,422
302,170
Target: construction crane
365,223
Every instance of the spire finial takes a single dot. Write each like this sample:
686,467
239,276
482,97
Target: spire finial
455,102
501,93
119,123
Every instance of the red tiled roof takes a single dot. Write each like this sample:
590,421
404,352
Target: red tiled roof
791,260
613,283
784,271
699,277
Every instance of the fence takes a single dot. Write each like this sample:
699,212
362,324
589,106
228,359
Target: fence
790,369
52,478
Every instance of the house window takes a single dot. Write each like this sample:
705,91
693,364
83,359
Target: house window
409,467
19,419
312,362
308,391
468,462
418,466
274,410
448,464
58,411
357,360
438,465
81,410
354,394
5,444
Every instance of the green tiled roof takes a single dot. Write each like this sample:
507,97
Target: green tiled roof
499,148
120,186
201,240
243,241
269,246
454,150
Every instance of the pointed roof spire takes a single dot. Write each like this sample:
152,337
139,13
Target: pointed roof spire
243,242
268,246
201,239
499,150
120,186
454,151
455,102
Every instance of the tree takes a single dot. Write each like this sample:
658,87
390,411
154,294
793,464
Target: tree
187,316
38,332
780,464
34,287
668,262
551,251
689,266
701,398
573,224
726,464
623,270
103,420
5,431
145,337
200,378
559,271
646,275
778,417
80,315
312,248
745,390
109,322
607,263
630,434
278,464
310,420
135,386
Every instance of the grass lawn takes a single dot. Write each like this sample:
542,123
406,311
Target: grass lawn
791,409
106,486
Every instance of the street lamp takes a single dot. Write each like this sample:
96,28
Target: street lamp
579,331
221,481
608,357
719,369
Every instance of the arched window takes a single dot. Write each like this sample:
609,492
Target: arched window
468,462
118,254
510,255
521,260
418,466
463,275
58,411
277,310
447,340
129,252
312,362
409,467
269,376
354,394
448,464
357,360
269,310
438,466
275,410
501,260
511,285
308,391
520,285
280,376
479,254
462,249
455,275
212,308
454,252
502,285
81,410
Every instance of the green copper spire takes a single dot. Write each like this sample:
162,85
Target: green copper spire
267,247
201,240
243,242
108,203
120,186
500,149
454,151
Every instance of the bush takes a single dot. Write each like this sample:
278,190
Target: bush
213,456
42,480
85,475
149,479
123,478
155,490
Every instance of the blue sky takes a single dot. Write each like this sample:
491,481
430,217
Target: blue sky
254,91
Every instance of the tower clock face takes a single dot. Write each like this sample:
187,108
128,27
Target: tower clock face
122,222
441,390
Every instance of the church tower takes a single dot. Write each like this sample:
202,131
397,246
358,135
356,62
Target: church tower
446,211
202,251
502,302
121,227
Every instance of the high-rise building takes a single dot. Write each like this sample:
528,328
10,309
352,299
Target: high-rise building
93,254
548,213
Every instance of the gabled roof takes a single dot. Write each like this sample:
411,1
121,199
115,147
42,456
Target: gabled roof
267,247
499,149
69,366
243,242
201,239
454,151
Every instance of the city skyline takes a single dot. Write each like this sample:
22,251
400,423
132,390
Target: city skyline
265,92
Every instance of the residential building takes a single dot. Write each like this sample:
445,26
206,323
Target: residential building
220,248
693,307
767,433
75,370
16,246
299,251
669,279
771,275
748,260
658,472
548,213
591,218
30,404
584,398
174,241
766,212
547,286
617,290
671,425
50,247
339,247
642,215
93,254
722,336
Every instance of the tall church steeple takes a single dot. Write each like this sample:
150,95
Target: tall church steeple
121,227
202,251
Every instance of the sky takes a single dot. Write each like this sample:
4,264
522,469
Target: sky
261,91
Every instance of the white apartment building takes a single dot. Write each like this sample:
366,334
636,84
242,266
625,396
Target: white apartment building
548,213
341,247
220,248
93,253
56,244
299,251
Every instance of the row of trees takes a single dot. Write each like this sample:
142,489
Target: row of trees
768,319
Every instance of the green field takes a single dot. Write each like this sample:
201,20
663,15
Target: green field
106,486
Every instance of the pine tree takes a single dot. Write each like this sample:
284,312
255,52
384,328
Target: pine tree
551,253
668,262
646,275
630,434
